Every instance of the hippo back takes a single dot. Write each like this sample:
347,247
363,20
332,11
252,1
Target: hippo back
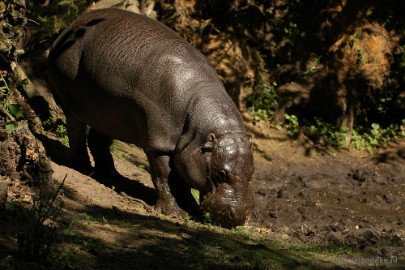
111,63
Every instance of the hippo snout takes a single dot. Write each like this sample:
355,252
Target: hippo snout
228,206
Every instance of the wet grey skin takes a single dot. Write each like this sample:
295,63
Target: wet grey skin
131,78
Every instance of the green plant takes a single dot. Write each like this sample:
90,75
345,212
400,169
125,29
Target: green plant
384,100
263,100
70,227
37,225
61,131
13,112
376,136
48,123
241,230
292,32
292,125
326,133
57,127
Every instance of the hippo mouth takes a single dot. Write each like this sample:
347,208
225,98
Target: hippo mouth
227,206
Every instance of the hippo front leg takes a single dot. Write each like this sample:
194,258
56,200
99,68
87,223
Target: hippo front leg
160,171
172,190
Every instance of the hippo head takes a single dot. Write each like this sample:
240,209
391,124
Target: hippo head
221,169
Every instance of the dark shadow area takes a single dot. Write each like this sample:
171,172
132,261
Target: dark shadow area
190,248
60,154
391,154
56,151
133,188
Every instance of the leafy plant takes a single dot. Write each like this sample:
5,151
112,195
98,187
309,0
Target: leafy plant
61,132
326,133
292,125
15,110
263,100
12,111
57,127
291,32
376,136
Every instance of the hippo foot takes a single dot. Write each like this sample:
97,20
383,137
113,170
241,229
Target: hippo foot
169,208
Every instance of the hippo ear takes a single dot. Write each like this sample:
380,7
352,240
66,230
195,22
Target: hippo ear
210,143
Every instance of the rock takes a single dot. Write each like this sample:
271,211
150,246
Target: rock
23,157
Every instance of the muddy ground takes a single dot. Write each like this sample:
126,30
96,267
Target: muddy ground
314,209
331,198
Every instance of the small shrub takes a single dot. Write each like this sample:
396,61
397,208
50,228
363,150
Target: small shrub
326,133
292,125
263,100
57,127
13,112
37,226
61,132
376,136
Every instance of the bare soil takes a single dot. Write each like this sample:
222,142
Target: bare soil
314,209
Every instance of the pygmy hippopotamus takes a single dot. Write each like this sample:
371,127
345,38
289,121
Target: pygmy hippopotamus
131,78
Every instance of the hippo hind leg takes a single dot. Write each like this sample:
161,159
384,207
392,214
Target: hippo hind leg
99,146
77,144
